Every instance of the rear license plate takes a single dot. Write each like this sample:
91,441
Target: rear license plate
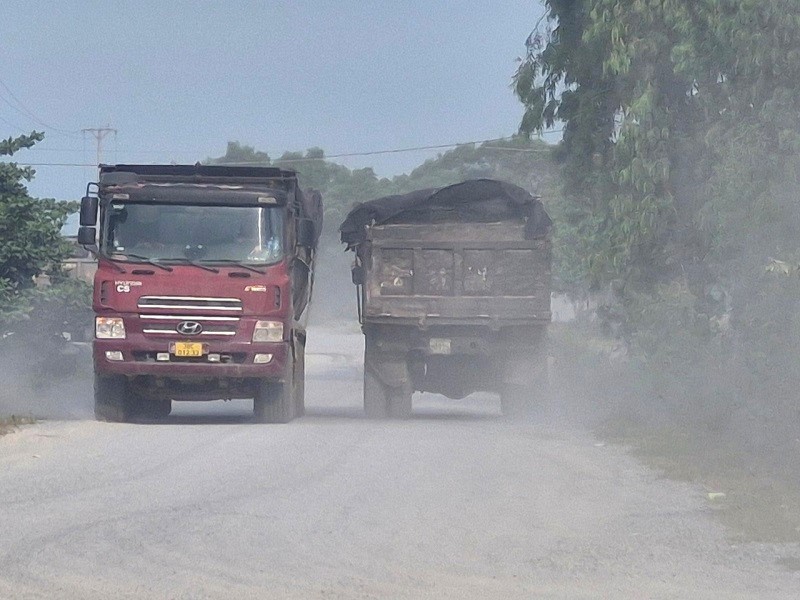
439,346
187,349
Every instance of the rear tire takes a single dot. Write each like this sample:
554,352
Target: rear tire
274,402
376,401
111,400
400,400
382,400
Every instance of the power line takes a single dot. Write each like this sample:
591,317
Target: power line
412,149
349,154
173,152
24,111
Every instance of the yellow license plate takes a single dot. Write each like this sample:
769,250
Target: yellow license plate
187,349
440,346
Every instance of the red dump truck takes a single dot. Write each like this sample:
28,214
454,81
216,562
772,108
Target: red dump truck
204,278
453,294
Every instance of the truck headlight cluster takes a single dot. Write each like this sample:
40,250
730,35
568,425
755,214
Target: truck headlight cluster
109,328
268,331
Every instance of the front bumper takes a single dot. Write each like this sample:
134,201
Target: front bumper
139,354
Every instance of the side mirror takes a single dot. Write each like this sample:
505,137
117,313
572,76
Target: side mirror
357,272
306,233
87,236
89,211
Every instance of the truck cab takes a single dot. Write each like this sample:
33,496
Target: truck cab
204,277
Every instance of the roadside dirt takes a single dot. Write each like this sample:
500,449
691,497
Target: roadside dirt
757,501
752,485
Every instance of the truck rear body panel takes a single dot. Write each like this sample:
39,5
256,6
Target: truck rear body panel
456,273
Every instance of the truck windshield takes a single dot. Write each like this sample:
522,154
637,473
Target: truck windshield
160,232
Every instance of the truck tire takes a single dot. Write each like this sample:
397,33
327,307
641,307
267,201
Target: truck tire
274,402
376,399
111,401
382,399
400,401
154,408
525,387
300,381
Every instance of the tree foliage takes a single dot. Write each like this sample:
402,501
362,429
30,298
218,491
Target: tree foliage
519,160
30,238
681,170
678,116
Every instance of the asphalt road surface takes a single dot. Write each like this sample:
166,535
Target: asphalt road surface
454,503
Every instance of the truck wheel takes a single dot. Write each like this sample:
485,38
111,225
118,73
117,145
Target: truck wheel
274,402
300,381
376,400
111,402
382,401
155,408
400,402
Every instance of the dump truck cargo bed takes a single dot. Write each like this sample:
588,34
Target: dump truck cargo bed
485,273
453,294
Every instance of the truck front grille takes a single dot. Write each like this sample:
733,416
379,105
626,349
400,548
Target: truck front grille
215,315
190,303
168,324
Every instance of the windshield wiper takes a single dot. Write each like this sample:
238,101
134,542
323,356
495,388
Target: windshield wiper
194,263
236,263
147,260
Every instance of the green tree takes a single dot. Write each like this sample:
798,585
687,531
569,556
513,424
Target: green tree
656,98
527,163
30,238
681,170
237,153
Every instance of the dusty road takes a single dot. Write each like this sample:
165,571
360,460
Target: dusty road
455,503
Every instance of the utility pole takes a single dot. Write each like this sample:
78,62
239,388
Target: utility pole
99,134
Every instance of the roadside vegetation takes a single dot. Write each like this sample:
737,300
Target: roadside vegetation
9,424
37,300
680,166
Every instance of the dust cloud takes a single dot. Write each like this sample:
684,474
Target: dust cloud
334,298
46,380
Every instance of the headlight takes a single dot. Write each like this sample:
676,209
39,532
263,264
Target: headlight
268,331
109,328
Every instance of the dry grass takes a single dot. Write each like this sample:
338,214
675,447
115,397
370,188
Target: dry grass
684,431
760,503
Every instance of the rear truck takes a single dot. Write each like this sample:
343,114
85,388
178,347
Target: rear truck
453,289
203,283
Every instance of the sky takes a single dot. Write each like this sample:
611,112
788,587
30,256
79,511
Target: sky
179,79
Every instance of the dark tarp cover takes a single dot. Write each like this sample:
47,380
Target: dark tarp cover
471,201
